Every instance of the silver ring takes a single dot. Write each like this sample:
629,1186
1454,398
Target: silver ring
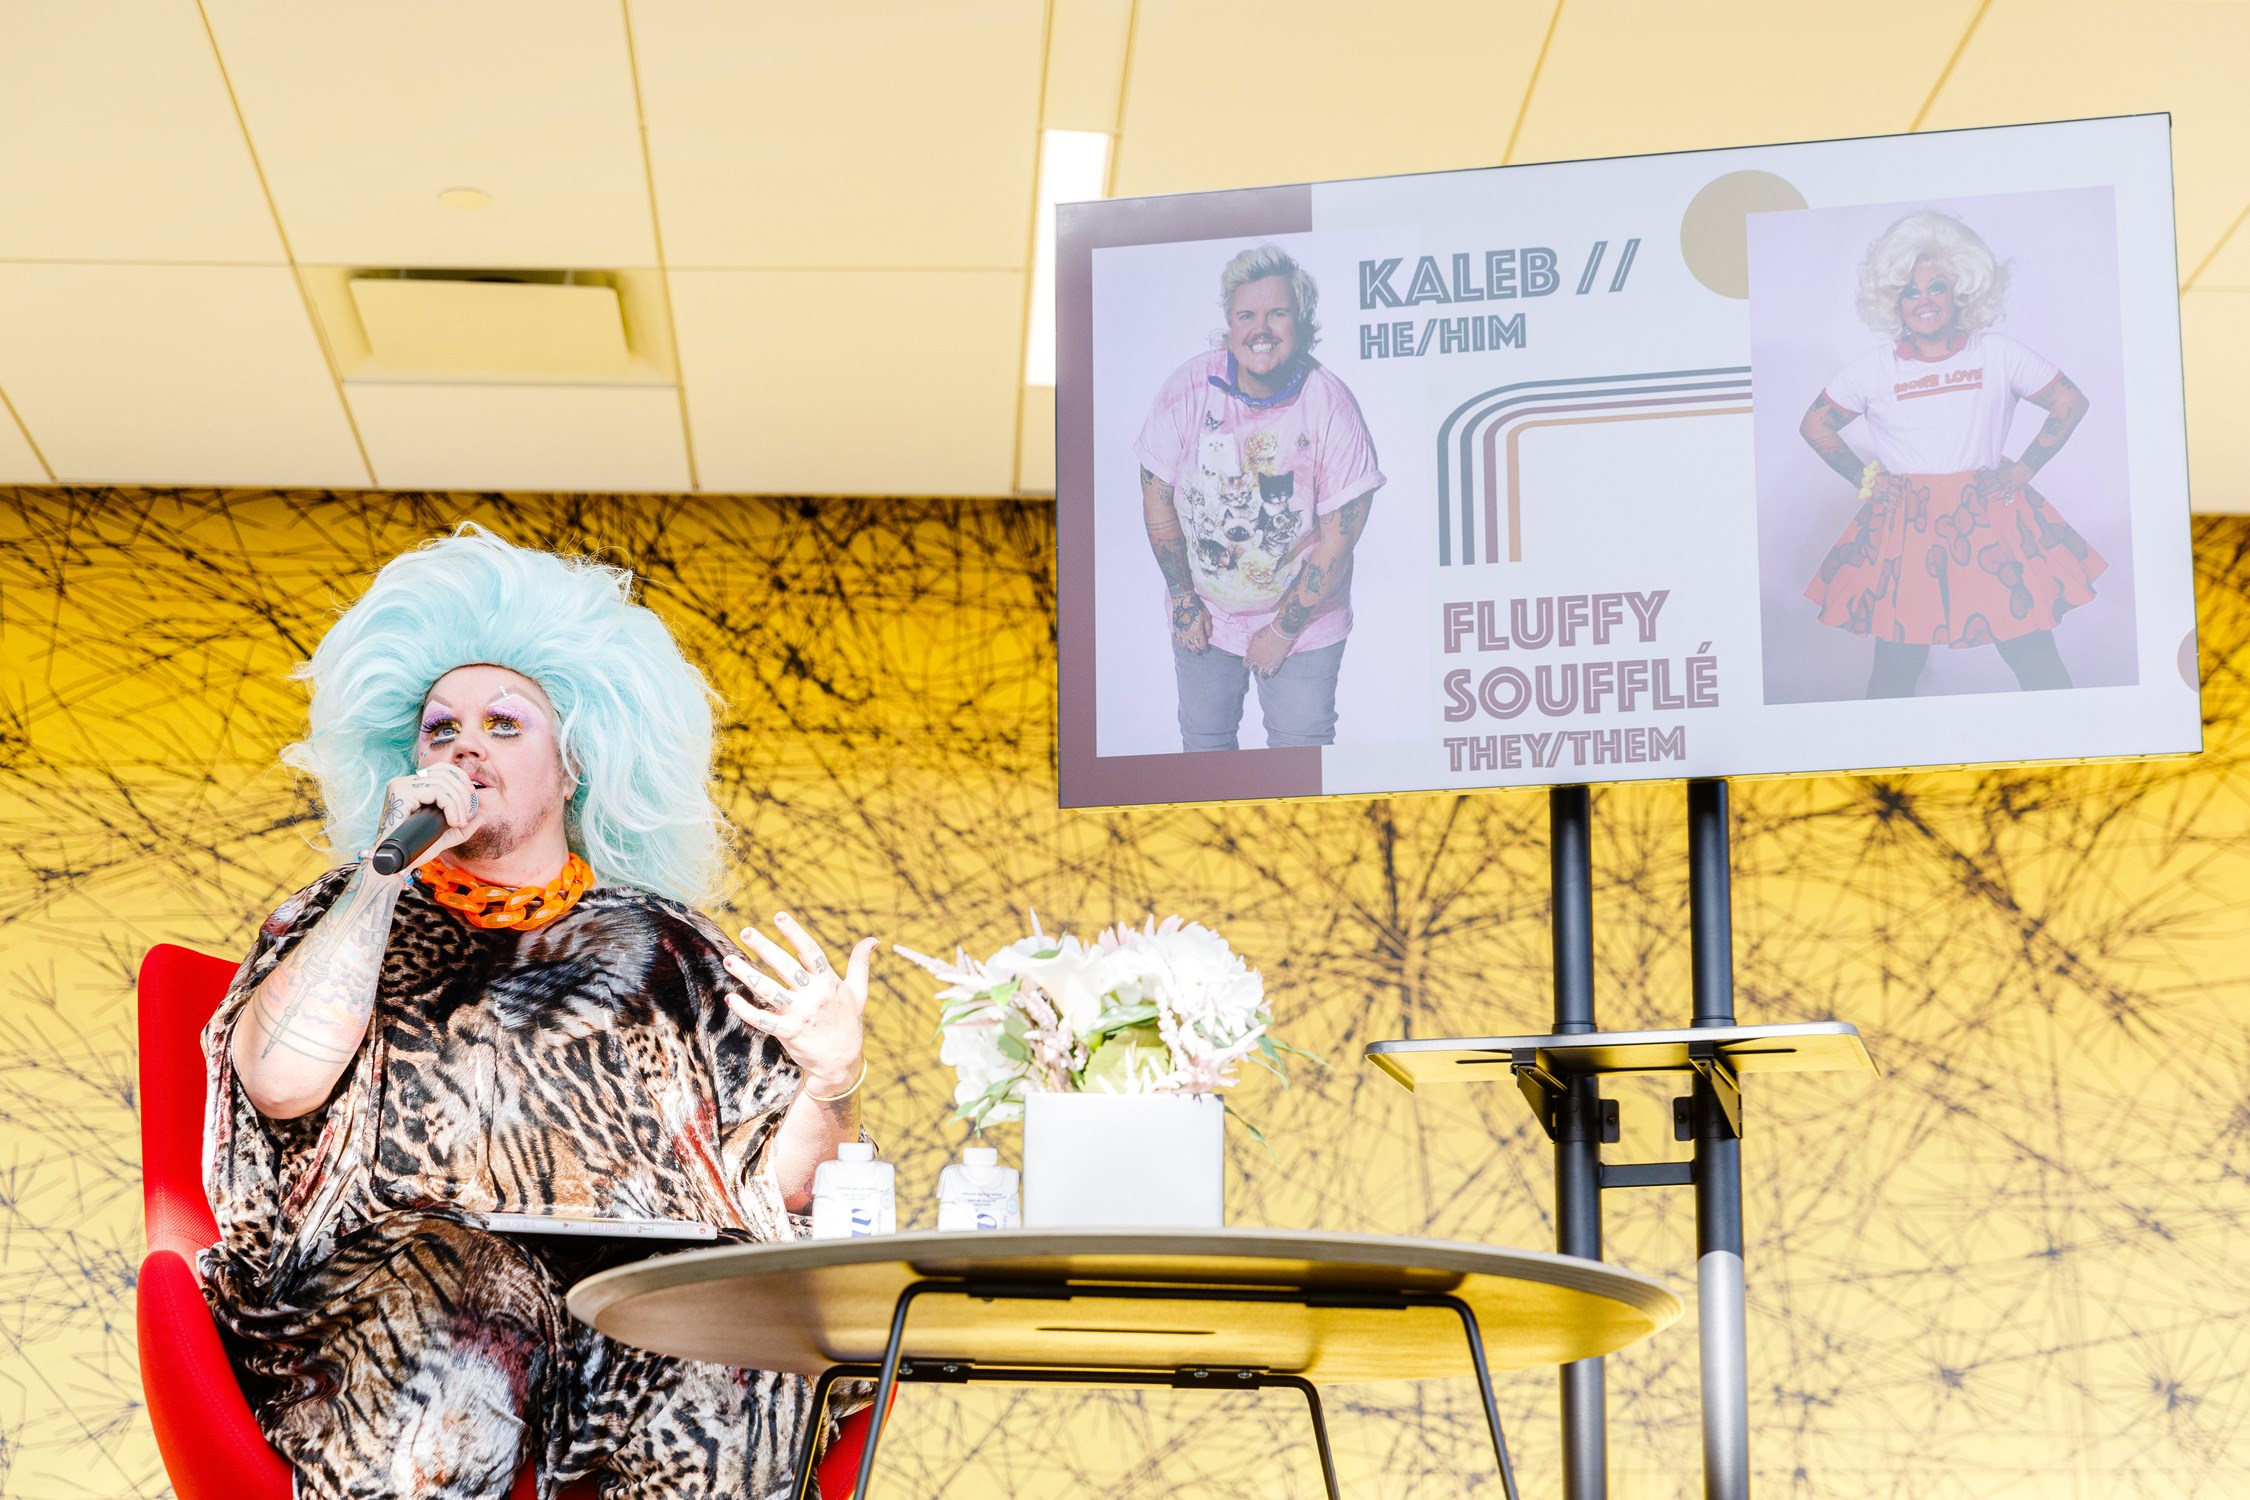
422,773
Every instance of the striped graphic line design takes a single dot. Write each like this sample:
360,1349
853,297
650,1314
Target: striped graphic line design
1470,493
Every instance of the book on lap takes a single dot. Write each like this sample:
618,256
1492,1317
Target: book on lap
639,1229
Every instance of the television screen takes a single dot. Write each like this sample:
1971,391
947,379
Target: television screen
1820,457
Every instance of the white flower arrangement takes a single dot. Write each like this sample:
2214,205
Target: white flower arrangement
1163,1008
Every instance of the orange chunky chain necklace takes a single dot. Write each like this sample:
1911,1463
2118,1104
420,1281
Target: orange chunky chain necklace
521,908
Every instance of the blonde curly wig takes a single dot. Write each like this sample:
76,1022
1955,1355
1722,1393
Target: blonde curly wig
1980,282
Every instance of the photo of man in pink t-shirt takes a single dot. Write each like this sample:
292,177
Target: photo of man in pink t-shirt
1257,472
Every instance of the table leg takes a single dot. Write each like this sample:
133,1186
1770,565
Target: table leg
1484,1389
888,1377
806,1457
1200,1377
884,1384
1311,1394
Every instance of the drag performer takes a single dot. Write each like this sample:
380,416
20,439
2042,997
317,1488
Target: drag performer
1952,546
1257,472
535,1021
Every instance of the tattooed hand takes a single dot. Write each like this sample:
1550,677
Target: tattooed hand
1191,624
444,786
814,1012
1886,488
1999,482
1269,648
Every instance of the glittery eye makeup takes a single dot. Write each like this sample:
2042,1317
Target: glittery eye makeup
506,717
509,715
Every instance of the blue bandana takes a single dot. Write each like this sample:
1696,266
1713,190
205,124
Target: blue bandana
1287,392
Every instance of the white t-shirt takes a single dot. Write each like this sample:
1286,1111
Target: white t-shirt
1944,418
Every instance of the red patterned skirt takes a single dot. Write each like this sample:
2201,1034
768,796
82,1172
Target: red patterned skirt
1941,563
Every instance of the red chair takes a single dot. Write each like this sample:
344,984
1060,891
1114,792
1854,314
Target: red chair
211,1444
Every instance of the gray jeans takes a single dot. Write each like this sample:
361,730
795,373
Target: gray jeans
1298,702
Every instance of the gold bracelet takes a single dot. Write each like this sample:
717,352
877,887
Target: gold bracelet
846,1094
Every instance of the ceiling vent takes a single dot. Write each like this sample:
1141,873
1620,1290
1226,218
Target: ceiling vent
494,325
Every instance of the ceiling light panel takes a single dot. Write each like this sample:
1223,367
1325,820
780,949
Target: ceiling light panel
1073,164
2060,59
1630,76
502,437
852,382
362,115
120,142
1085,64
1350,91
172,375
878,133
493,329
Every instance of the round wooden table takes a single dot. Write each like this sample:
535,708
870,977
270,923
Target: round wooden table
1196,1309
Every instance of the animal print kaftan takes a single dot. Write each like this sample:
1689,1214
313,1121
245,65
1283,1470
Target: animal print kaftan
391,1345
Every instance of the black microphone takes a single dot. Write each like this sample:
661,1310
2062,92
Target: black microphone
409,841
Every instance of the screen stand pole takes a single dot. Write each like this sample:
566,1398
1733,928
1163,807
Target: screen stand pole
1579,1120
1716,1114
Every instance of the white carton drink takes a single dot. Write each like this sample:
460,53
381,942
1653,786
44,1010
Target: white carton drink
854,1195
978,1193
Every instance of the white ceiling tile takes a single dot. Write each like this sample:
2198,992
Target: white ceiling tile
1630,76
512,437
120,141
2215,340
19,461
1350,90
2067,59
363,113
879,133
852,382
172,375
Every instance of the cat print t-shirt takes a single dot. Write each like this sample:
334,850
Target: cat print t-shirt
1248,482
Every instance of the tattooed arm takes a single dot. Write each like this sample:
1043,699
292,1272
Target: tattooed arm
2066,407
1823,428
809,1133
1326,565
1191,622
304,1021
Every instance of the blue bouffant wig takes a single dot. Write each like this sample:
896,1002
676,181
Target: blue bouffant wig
634,715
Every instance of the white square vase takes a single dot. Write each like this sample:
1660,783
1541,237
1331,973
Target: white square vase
1124,1161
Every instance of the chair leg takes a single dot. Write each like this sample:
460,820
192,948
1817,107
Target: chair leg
806,1465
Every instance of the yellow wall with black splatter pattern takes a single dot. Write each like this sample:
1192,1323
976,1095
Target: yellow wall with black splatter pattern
2013,1266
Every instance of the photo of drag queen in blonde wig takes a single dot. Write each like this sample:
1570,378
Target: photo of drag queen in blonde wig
1950,546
